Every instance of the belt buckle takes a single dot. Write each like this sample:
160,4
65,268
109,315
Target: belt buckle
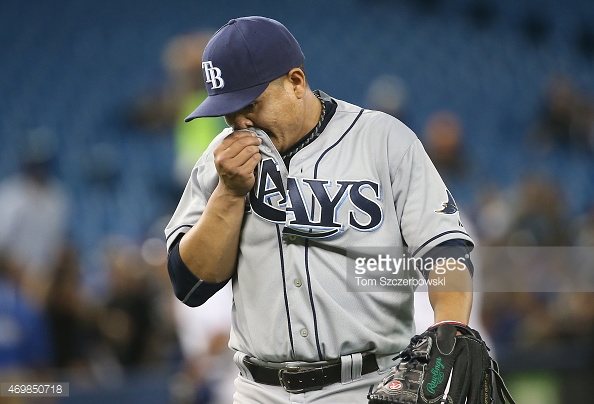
288,389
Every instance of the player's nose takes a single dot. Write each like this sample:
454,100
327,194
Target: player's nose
238,120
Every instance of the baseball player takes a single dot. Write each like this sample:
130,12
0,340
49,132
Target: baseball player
277,205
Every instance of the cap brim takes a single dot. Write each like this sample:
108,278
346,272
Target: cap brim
226,103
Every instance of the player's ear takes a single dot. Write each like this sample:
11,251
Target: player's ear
297,79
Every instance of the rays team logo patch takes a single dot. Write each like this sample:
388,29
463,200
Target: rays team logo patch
212,75
395,386
315,208
449,207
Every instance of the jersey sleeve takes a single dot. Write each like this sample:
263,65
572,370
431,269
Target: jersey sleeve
200,186
426,210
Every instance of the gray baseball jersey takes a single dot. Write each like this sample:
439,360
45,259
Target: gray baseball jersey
365,182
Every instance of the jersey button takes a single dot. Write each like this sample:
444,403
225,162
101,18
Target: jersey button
297,282
304,333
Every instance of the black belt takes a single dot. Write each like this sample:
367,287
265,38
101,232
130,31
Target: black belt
299,379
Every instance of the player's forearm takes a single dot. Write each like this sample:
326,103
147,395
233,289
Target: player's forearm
452,300
209,249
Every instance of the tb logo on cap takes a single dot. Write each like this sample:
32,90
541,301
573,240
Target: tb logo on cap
213,75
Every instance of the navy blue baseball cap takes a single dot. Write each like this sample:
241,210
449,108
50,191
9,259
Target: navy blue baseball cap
241,59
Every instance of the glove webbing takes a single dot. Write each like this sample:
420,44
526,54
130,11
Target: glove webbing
499,384
497,380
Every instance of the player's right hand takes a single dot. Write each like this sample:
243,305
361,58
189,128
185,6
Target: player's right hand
236,159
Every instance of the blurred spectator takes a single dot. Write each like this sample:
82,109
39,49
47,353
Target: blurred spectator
34,215
71,317
127,321
539,215
24,335
387,93
585,229
443,139
504,315
494,215
166,109
208,370
556,320
565,119
532,215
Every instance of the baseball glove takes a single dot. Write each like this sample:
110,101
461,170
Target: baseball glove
440,366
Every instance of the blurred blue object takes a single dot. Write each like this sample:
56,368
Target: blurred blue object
24,338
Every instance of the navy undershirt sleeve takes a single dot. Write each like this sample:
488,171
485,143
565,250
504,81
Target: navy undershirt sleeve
187,287
457,249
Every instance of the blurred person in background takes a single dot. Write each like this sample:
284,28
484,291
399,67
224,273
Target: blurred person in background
388,93
553,319
208,371
165,109
492,214
25,352
585,228
443,138
126,321
205,371
133,332
72,319
536,217
565,119
539,217
34,214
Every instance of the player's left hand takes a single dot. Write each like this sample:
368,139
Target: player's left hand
439,366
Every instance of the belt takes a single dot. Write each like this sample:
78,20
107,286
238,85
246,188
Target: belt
299,379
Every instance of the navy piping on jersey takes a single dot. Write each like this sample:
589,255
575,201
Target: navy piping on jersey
336,143
310,291
282,262
439,235
176,229
189,295
311,300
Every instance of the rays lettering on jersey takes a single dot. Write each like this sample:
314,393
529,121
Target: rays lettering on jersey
315,207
